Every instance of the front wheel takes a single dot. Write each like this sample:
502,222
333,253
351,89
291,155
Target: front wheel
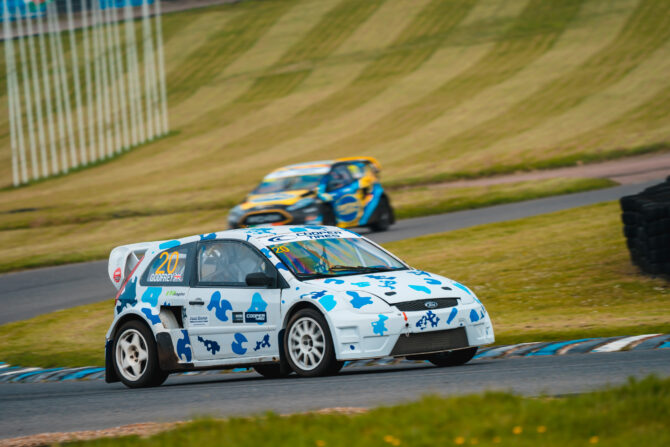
453,358
273,371
135,356
309,346
328,216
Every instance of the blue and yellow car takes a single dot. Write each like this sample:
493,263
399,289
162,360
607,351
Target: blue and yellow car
345,192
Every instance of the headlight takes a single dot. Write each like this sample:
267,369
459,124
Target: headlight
301,204
235,213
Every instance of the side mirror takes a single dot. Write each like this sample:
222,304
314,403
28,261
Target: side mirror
259,279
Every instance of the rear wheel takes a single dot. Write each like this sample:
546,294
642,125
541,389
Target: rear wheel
384,214
308,345
273,371
453,358
135,356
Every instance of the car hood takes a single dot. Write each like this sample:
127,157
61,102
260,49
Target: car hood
408,285
276,198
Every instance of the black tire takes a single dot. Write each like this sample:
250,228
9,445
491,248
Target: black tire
151,374
452,358
271,371
337,366
329,216
384,216
328,364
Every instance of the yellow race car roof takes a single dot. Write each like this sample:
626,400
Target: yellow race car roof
318,167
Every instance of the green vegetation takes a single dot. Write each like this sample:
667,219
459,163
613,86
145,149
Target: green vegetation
550,277
633,414
435,199
557,276
87,235
74,336
436,90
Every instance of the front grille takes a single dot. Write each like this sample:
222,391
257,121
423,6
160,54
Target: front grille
435,341
416,305
264,218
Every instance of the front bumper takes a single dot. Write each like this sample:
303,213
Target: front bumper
274,215
400,334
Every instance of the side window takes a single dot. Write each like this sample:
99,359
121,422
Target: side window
357,170
169,268
339,177
227,263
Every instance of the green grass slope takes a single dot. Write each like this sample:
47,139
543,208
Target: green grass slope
559,276
435,89
602,417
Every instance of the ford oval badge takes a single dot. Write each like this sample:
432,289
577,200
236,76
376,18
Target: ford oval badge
430,304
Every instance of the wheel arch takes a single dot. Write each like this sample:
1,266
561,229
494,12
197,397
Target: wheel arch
298,307
123,319
309,305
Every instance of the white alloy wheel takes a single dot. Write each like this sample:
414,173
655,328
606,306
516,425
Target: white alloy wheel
307,343
132,354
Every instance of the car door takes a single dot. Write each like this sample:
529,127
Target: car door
165,285
226,317
344,190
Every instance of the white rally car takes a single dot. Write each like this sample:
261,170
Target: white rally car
280,299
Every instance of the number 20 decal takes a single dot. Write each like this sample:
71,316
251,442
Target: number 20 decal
167,261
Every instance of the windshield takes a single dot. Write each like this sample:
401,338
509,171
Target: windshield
334,257
293,183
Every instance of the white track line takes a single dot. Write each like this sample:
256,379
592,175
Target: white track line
19,371
617,345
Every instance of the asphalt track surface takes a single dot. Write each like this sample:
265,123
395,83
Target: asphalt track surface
57,407
30,293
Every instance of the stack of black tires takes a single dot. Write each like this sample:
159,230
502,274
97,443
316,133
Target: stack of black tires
646,219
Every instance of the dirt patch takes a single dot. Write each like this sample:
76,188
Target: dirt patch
623,171
143,430
43,439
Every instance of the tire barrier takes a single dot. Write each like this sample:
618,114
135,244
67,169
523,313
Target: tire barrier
17,374
646,220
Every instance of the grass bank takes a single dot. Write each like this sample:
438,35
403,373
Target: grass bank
633,414
436,90
90,235
557,276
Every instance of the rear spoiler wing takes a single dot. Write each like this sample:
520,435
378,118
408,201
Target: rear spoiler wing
376,166
123,259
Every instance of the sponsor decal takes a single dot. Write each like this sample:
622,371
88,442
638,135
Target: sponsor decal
307,234
347,208
255,317
238,345
211,345
429,318
263,343
238,317
219,306
198,320
173,293
117,274
165,277
151,295
184,347
283,238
